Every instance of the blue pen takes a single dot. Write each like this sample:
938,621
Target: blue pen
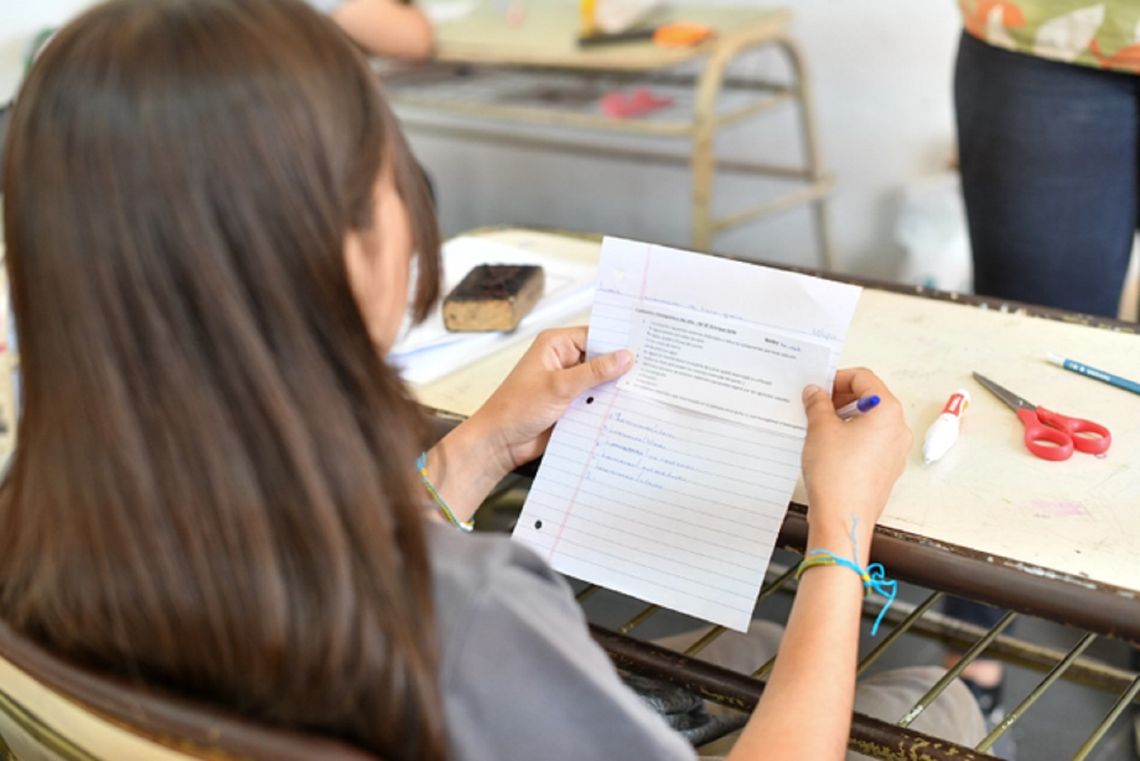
858,407
1091,372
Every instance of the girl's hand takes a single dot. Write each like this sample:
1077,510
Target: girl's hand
553,373
513,426
850,466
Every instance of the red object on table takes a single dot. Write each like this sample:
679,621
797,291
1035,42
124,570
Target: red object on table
1051,435
626,105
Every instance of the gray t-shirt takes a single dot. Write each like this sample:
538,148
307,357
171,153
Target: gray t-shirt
521,677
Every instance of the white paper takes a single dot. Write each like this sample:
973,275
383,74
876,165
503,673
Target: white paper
429,351
726,368
445,11
614,16
661,501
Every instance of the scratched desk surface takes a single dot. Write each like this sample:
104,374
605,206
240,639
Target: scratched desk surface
1078,518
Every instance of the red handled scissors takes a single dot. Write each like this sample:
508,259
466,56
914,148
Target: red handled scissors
1051,435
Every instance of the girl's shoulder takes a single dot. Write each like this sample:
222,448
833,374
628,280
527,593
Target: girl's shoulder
472,571
515,644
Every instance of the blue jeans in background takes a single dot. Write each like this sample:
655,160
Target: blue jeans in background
1048,155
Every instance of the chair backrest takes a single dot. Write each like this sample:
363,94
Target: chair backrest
51,710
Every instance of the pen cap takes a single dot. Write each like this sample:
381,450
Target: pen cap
957,403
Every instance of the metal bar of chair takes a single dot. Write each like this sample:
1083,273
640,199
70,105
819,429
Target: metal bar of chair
902,628
1101,729
969,657
869,736
1020,709
641,617
767,591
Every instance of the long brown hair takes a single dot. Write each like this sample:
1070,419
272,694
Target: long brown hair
213,489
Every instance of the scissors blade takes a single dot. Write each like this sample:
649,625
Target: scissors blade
1012,400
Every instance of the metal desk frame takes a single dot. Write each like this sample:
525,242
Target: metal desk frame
412,92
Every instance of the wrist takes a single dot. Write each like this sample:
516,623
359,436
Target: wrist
833,575
481,438
464,466
443,510
834,534
825,564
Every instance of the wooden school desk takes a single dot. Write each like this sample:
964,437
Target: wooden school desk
990,522
511,81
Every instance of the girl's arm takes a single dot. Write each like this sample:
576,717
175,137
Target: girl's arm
387,28
805,710
849,469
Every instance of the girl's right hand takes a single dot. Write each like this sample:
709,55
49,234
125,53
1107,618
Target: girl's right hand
850,466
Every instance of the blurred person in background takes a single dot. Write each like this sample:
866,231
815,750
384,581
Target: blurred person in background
385,28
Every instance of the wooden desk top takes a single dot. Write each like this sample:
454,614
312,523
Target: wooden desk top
1072,521
547,37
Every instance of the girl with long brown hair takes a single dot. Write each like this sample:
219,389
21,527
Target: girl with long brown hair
210,218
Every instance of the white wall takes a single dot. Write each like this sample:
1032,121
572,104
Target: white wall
20,20
882,90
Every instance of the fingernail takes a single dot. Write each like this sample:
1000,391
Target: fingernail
810,390
624,359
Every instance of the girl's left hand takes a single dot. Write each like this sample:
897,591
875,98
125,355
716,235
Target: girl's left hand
513,426
519,416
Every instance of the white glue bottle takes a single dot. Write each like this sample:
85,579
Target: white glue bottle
943,432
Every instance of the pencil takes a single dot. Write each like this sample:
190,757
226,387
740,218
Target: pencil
1091,372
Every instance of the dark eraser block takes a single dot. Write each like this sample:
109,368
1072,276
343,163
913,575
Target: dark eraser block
493,297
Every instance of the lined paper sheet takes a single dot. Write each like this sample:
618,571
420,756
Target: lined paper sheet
641,492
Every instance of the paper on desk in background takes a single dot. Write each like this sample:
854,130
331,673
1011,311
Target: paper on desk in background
430,351
444,11
654,498
614,16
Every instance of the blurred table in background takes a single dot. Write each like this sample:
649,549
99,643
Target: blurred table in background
513,82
